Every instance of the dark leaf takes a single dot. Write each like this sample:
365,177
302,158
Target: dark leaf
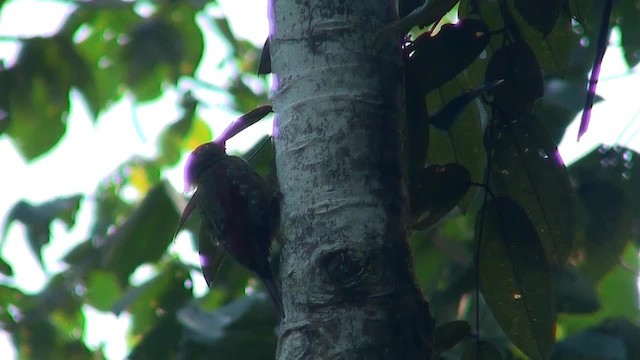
516,64
5,268
38,338
83,253
515,278
553,51
224,332
37,219
437,62
541,15
161,342
153,54
615,165
609,226
439,191
265,59
445,117
481,350
618,295
590,346
581,10
625,330
574,292
463,144
449,334
529,165
407,6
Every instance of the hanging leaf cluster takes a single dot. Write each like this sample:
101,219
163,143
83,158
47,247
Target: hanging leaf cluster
483,120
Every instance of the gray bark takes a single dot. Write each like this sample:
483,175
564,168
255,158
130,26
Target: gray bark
348,287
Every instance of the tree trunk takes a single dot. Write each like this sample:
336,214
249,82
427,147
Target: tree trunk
348,287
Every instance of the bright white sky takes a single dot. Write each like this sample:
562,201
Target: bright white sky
87,153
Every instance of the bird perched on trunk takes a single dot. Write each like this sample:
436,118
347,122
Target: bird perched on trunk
239,212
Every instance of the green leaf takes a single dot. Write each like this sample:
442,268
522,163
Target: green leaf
145,234
439,190
481,350
39,85
183,15
541,15
10,295
430,262
103,290
554,50
515,278
101,47
162,48
173,136
528,164
449,334
159,297
37,219
152,56
628,12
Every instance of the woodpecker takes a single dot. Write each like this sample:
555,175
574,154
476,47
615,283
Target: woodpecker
239,211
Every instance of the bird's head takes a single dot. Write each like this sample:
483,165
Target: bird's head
199,160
